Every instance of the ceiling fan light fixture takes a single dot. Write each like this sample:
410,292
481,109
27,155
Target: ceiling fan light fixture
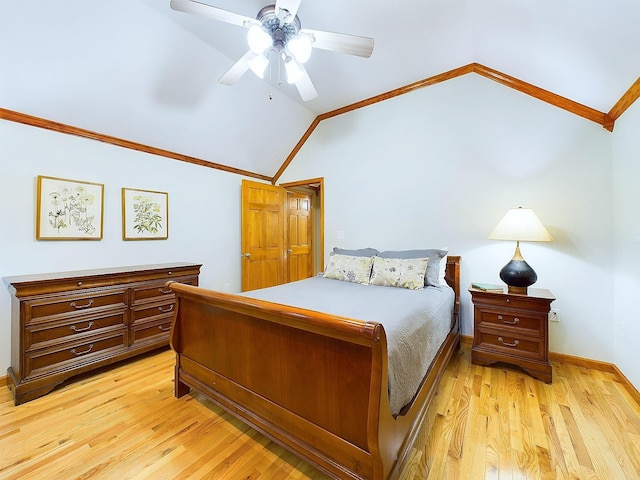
293,69
258,39
300,47
258,65
275,34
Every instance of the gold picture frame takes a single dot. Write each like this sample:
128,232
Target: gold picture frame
69,209
145,214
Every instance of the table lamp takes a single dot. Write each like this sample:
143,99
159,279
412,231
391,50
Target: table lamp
522,225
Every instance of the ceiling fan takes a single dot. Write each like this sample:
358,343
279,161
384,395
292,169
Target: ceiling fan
276,33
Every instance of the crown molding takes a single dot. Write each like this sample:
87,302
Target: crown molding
630,96
25,119
606,120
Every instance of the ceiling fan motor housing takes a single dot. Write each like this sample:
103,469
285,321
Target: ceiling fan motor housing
281,31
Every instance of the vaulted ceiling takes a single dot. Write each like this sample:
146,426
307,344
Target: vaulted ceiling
140,71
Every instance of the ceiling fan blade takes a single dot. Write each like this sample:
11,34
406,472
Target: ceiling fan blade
290,5
305,86
197,8
340,42
238,69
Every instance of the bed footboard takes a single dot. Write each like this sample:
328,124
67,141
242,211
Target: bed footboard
307,380
314,383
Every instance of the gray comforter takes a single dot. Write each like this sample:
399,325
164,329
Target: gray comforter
416,322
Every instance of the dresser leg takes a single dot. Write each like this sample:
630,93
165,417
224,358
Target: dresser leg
543,373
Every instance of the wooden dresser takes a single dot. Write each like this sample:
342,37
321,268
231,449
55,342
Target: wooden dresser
64,324
512,328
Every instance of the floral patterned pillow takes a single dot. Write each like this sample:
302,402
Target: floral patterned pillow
399,272
349,268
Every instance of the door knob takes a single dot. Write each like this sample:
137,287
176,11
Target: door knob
289,250
248,255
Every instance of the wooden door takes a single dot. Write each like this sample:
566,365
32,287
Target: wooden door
299,240
262,235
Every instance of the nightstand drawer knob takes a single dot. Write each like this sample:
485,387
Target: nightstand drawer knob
515,320
508,300
507,344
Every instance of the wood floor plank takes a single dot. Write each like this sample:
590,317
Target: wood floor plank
485,423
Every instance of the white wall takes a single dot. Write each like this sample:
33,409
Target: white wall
204,212
441,166
627,242
436,167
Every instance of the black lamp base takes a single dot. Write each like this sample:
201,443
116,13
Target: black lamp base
518,275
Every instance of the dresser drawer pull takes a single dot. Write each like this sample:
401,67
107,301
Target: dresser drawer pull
515,320
507,344
86,305
163,291
167,310
164,329
73,350
77,330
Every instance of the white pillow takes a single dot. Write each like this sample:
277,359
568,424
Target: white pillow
349,268
399,272
443,268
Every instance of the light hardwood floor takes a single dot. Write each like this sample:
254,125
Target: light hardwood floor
498,422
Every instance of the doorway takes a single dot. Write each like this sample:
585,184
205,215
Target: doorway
282,232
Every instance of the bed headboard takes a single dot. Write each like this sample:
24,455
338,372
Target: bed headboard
452,276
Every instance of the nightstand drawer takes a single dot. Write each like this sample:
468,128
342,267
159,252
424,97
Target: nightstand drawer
520,346
510,322
515,301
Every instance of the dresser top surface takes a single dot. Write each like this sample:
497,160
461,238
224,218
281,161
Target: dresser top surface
95,272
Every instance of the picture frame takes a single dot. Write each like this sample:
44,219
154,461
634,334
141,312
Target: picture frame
69,209
145,214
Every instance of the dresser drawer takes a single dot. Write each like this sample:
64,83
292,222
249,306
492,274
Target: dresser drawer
510,322
154,332
41,335
520,346
158,291
73,354
45,309
520,302
153,312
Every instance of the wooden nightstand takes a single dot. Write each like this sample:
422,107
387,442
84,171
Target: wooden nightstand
512,328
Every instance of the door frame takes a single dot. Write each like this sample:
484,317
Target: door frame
317,185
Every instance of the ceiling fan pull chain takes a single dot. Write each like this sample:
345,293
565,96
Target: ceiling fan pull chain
270,78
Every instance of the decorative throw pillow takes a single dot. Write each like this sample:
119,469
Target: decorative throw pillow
399,272
433,254
349,268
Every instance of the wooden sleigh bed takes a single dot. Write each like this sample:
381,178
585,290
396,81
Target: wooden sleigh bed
315,383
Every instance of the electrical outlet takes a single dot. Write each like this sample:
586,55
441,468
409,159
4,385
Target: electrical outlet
554,315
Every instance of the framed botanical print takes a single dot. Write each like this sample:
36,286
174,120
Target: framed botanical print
69,209
145,214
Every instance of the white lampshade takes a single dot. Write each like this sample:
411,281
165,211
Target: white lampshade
293,68
258,65
300,47
520,224
258,39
